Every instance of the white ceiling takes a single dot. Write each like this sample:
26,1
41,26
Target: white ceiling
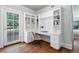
35,7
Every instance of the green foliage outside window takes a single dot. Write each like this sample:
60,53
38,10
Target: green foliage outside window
12,20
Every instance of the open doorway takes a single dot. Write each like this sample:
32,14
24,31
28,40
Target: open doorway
76,27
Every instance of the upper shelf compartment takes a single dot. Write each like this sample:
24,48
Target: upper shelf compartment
57,20
29,23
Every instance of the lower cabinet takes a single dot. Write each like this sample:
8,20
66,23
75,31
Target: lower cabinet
55,41
55,45
28,37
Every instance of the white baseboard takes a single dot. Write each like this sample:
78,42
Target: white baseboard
28,41
66,45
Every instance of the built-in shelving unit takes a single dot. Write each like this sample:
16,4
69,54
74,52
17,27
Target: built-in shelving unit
30,23
29,26
57,29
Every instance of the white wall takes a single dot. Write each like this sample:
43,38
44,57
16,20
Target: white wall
14,7
67,25
1,32
45,12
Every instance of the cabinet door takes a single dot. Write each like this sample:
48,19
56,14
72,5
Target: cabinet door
55,41
28,37
55,45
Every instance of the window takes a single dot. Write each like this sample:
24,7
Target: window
12,20
75,24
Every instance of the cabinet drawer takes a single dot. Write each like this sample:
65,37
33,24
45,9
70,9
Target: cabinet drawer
54,39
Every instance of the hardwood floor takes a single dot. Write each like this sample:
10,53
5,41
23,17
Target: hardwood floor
35,48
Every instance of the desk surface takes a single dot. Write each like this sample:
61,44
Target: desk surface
47,33
43,33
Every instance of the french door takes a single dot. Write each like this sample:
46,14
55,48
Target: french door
11,26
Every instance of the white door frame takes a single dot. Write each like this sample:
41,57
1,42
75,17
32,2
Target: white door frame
4,36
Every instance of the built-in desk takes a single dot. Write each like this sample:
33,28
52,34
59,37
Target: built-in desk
55,41
53,38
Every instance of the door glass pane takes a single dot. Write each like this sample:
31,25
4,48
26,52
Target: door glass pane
16,35
27,20
9,27
16,26
9,20
32,22
16,21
